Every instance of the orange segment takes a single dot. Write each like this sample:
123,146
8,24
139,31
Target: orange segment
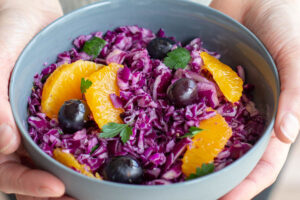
64,84
104,83
207,144
228,80
70,161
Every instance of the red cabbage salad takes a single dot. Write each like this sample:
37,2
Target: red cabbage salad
142,109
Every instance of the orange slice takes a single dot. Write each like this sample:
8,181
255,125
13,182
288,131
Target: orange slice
64,84
228,80
207,144
70,161
104,83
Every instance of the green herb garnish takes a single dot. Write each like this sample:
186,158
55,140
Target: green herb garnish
112,129
204,170
60,132
126,133
192,132
94,46
85,84
177,58
94,148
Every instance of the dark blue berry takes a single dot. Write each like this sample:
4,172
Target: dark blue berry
73,115
159,47
123,169
183,92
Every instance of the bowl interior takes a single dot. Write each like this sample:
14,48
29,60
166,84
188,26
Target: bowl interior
183,19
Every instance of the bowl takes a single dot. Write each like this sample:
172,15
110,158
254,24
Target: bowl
180,18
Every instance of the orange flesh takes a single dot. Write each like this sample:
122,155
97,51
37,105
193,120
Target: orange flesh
230,84
104,83
70,161
207,144
64,84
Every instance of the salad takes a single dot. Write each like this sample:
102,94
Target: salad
135,107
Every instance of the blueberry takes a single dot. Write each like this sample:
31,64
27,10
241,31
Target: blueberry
123,169
183,92
159,47
73,115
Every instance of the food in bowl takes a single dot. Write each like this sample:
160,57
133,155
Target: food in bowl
131,106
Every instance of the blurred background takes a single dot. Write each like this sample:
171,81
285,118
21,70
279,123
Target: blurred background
287,186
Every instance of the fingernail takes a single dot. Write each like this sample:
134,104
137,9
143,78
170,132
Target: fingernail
46,191
7,138
290,127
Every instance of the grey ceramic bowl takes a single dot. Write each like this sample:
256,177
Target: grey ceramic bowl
183,19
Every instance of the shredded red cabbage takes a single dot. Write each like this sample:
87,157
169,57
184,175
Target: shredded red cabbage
157,124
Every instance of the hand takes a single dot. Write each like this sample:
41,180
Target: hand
276,23
19,22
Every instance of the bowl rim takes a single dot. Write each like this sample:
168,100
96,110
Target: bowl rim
26,136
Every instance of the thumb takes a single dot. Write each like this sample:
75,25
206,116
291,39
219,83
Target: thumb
18,23
288,116
9,135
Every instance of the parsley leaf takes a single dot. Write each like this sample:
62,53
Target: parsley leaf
94,46
126,133
94,148
60,132
85,84
177,58
192,132
113,129
204,170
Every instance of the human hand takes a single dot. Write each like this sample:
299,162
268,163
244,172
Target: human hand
277,25
19,22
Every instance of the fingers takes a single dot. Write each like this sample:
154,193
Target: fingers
63,198
16,178
232,8
284,47
264,174
9,158
22,197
